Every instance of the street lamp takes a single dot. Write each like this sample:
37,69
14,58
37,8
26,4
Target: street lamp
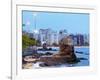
35,30
34,15
28,25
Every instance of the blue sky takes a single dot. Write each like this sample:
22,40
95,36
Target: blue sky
72,22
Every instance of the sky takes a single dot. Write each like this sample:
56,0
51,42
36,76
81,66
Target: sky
72,22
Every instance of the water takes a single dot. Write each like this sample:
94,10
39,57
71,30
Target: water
84,56
81,52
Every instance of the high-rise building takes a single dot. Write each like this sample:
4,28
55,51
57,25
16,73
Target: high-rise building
48,36
80,39
45,36
86,39
62,34
54,38
74,39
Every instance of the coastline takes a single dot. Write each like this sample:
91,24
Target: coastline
81,46
74,46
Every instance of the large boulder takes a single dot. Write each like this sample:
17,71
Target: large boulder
66,54
67,50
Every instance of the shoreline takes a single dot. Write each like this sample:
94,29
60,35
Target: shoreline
74,47
81,46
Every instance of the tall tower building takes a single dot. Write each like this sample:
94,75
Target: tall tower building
63,33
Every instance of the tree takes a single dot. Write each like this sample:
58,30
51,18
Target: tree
27,41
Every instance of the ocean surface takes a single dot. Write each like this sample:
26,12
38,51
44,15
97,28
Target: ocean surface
83,55
81,52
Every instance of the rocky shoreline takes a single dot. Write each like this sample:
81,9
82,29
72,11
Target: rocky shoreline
65,55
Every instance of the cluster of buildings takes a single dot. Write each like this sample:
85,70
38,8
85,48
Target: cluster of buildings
51,37
80,39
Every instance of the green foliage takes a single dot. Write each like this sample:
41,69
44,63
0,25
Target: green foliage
26,41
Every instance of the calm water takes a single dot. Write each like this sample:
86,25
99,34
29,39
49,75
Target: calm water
84,56
81,53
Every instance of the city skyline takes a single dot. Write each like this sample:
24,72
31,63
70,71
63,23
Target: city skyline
52,37
56,21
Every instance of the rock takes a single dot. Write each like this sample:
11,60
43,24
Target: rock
48,53
51,61
66,54
43,65
67,50
30,59
45,46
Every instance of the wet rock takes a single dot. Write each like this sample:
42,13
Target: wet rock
48,53
43,65
82,58
79,52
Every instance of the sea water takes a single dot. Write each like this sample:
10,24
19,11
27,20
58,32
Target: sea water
84,56
81,52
